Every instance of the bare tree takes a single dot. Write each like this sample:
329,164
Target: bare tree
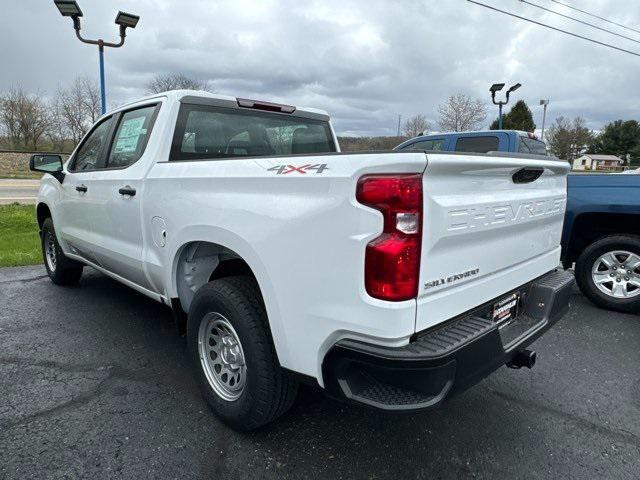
78,107
9,118
35,120
90,97
174,81
461,113
58,132
568,139
24,117
414,126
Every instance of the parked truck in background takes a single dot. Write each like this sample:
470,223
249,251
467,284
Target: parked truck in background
514,141
392,279
601,238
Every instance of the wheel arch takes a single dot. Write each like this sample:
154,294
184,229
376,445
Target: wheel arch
42,213
200,261
217,253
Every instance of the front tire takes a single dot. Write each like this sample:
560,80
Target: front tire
608,273
233,355
61,269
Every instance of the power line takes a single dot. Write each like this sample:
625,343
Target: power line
554,28
595,16
579,21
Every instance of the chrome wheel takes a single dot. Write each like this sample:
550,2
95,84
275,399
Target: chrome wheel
50,251
221,356
617,274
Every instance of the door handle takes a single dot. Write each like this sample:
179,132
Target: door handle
127,190
81,188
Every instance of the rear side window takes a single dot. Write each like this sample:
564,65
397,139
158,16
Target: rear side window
436,144
90,153
532,145
214,132
477,144
131,137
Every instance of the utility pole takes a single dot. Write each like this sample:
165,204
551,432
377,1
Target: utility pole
544,103
399,118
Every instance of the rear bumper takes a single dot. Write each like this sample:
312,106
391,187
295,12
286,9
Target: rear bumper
448,358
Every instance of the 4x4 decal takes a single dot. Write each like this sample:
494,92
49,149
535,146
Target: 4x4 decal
303,169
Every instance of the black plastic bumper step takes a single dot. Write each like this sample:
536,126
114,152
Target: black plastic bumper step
449,357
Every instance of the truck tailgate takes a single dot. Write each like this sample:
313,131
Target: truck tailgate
484,232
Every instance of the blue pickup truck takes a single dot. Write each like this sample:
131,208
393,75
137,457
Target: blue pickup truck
601,235
478,142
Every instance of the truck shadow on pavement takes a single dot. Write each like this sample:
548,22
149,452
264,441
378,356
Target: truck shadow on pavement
97,382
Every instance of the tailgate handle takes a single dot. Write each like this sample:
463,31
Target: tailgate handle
527,174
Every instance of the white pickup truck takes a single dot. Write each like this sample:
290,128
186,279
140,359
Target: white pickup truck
390,279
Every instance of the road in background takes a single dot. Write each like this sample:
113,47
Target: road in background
18,191
95,383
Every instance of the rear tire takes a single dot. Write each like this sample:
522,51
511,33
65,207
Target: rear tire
608,273
61,269
228,333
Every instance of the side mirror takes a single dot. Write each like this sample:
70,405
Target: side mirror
45,163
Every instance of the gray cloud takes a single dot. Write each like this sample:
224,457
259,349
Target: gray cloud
363,61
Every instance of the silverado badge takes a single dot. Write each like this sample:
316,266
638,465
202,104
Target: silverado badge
451,278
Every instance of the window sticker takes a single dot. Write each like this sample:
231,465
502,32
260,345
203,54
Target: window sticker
129,134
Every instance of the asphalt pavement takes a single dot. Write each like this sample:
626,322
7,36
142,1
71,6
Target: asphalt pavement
95,383
18,191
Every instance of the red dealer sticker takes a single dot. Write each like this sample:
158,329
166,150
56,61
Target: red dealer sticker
506,309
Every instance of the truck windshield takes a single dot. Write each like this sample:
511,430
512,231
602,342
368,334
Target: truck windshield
213,132
531,145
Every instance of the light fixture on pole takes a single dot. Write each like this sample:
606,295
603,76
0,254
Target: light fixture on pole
544,115
70,8
496,87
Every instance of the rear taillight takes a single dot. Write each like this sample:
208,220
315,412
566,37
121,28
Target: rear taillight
392,260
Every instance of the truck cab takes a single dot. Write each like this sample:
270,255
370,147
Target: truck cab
514,141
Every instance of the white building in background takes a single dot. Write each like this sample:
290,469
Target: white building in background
592,161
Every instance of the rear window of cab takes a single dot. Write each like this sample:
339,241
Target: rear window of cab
207,132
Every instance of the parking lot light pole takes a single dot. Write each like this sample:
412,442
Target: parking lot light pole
70,8
496,87
544,103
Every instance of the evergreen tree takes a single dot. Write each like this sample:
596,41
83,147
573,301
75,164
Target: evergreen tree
519,118
494,124
619,138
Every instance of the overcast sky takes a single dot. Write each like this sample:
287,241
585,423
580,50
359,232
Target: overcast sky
364,62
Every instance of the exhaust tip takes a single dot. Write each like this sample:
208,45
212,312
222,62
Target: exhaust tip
523,358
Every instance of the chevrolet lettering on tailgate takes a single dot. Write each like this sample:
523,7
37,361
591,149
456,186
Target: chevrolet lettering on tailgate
491,215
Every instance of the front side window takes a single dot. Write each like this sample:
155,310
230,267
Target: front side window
477,144
131,137
426,145
438,145
89,154
213,132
